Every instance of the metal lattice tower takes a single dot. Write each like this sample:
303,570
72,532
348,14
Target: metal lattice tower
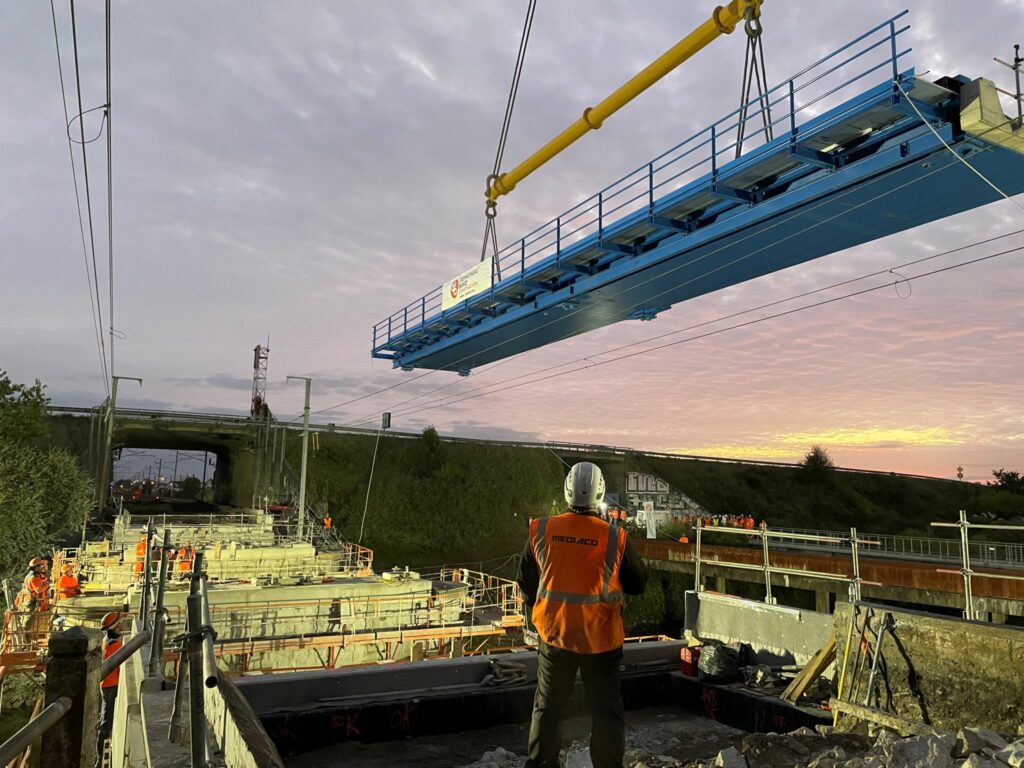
258,406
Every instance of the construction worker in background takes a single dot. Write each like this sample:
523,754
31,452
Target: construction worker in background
108,685
67,584
574,572
33,597
140,558
185,555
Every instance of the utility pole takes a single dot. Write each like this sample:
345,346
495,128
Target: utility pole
174,477
305,455
202,491
106,467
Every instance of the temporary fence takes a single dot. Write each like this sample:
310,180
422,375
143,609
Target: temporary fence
970,611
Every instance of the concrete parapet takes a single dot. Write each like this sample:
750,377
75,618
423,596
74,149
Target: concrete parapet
776,634
939,670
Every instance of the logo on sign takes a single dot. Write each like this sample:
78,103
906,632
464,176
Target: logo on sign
454,289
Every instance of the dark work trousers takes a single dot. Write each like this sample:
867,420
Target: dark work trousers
106,720
556,677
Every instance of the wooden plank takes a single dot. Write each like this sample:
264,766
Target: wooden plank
810,673
889,720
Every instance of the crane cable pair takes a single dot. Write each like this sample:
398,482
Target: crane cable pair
754,73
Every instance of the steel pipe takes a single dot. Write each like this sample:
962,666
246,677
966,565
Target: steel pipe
118,657
34,729
210,672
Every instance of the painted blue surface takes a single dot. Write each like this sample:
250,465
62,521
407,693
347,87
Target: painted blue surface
865,169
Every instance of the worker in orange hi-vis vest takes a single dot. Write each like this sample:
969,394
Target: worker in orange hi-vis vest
108,685
67,584
185,555
140,557
574,572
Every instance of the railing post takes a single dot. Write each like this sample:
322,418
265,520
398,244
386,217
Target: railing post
855,559
600,216
714,154
558,236
650,188
895,61
405,319
73,670
966,567
156,648
146,578
767,568
522,256
696,568
423,309
792,110
196,702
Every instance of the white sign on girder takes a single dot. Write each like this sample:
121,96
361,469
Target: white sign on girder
471,282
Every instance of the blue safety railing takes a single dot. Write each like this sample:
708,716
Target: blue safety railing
790,105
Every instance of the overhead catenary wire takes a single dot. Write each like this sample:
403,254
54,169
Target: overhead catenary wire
750,254
110,195
85,174
821,289
90,276
609,296
715,332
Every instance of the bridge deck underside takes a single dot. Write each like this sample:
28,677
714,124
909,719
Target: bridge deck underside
864,170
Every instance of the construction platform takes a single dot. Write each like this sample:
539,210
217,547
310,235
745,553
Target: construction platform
845,167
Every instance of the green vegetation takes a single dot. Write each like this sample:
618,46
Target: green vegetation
44,494
820,497
433,502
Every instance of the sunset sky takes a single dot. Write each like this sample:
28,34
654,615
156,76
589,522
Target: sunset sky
299,171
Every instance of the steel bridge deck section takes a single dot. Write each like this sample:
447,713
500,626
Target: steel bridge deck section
688,224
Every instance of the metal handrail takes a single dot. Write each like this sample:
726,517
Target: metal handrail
513,261
35,728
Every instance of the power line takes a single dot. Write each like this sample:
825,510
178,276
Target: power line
749,310
110,198
703,257
85,172
613,295
718,331
81,225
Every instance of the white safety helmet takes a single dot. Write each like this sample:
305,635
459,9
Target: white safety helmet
584,486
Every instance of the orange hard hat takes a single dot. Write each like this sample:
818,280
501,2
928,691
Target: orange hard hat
67,568
110,620
37,562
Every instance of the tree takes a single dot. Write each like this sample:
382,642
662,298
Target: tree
190,487
1008,480
818,459
44,494
22,410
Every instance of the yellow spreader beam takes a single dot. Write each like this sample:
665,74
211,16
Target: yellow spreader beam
722,22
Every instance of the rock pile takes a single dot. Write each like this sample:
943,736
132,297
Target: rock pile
823,748
804,748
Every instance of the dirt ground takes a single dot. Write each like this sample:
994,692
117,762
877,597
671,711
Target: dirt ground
658,730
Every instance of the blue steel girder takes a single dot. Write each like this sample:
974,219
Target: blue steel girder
744,230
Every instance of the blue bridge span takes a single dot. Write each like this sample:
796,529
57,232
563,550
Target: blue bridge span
845,166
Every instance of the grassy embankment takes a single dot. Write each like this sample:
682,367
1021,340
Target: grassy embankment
434,502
